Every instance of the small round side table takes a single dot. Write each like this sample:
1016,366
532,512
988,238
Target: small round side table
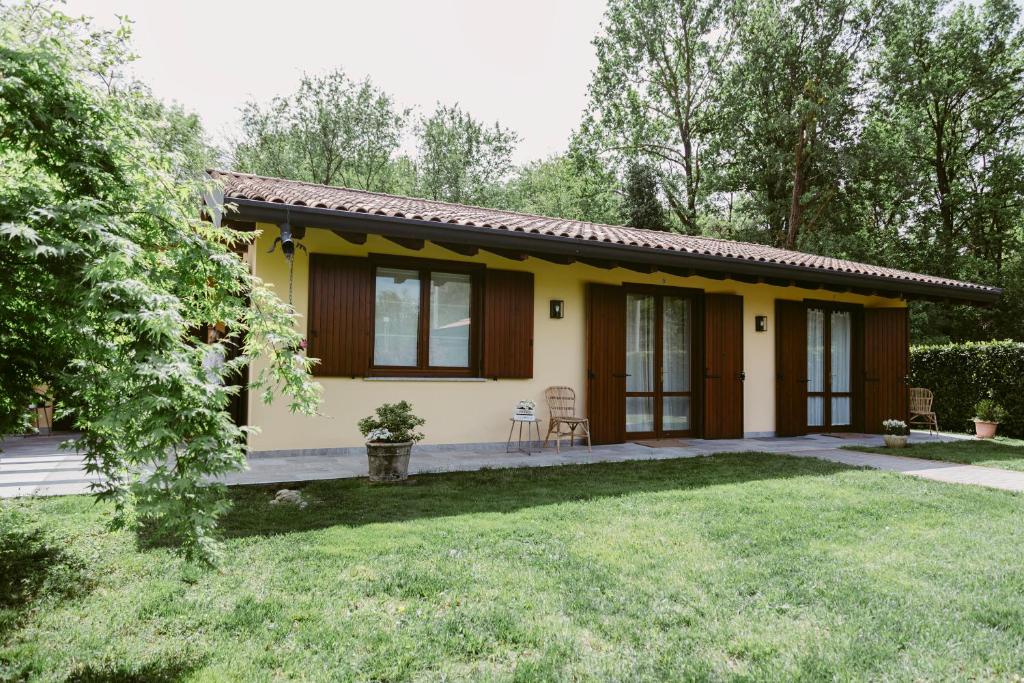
531,424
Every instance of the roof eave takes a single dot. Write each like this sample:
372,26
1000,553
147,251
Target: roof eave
527,242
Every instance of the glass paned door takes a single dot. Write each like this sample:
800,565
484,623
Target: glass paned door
659,350
829,369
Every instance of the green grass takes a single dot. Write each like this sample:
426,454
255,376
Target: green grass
742,566
999,452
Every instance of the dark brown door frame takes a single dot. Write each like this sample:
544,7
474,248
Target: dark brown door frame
856,392
696,297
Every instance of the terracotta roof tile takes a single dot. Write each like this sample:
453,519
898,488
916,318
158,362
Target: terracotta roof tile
296,193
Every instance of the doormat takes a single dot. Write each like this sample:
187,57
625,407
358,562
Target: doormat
847,435
663,443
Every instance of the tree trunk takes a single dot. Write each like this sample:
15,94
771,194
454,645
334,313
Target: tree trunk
944,185
796,209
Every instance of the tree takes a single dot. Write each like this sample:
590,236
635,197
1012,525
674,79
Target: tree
951,90
955,83
106,268
642,208
332,131
653,96
461,159
565,186
790,110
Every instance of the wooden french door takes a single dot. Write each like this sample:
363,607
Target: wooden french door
723,372
659,397
641,362
886,347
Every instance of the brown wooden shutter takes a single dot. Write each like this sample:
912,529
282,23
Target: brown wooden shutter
340,315
606,363
886,350
508,324
790,368
723,360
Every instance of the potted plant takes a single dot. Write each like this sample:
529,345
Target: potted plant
896,432
987,416
390,434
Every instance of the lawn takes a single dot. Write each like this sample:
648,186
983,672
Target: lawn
733,566
999,452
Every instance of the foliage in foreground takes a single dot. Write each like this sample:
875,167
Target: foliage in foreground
739,566
107,271
960,375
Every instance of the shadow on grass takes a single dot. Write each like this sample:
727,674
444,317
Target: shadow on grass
152,672
964,452
34,567
355,502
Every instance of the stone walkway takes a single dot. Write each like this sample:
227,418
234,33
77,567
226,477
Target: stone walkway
34,466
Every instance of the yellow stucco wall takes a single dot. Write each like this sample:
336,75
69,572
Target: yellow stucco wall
476,412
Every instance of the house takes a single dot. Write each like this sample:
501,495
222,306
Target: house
464,311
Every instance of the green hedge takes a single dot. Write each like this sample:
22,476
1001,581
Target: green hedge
961,374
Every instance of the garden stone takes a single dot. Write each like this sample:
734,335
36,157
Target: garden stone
290,497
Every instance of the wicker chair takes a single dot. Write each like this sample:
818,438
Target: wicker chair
562,407
921,413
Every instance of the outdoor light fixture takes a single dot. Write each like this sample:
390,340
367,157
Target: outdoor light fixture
287,239
761,323
557,308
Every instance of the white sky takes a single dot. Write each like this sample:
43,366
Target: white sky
525,63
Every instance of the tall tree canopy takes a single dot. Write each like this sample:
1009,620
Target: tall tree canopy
889,132
462,159
332,130
653,97
572,186
106,270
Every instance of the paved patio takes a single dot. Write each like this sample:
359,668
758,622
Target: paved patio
35,466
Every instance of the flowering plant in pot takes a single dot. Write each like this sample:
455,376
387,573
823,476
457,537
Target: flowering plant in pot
987,416
896,432
390,434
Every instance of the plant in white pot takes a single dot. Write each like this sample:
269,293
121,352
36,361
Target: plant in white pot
987,416
896,432
390,434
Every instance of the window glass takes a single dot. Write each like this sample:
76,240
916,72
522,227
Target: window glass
450,305
676,344
639,413
639,342
675,413
396,317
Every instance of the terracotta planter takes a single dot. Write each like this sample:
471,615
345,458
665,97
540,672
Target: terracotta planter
896,440
388,461
985,430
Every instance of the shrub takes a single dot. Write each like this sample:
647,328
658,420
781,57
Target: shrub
987,410
961,375
393,423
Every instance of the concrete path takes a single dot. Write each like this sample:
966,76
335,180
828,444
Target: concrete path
33,466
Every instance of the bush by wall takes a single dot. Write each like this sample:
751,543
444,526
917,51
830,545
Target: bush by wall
962,374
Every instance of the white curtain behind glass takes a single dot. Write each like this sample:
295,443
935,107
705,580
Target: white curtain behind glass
640,342
640,361
815,366
450,303
842,326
